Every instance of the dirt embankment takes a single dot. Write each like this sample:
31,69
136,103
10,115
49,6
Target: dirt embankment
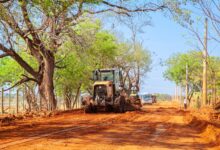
206,122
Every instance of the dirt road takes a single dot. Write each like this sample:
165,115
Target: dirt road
155,127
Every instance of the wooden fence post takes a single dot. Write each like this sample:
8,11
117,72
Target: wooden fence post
40,102
76,103
9,101
2,101
63,102
17,99
23,99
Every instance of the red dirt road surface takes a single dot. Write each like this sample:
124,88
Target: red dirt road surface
159,127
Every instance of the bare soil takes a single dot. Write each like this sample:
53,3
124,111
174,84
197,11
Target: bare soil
158,126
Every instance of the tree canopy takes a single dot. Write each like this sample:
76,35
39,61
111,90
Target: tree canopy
42,27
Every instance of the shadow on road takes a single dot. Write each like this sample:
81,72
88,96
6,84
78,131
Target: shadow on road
150,127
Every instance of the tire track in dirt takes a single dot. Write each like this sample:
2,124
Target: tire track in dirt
159,129
156,127
101,122
105,122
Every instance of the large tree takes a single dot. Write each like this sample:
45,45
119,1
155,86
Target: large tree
41,26
176,70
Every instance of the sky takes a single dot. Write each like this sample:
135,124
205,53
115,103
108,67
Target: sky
163,39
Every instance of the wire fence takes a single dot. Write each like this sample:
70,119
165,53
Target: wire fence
14,102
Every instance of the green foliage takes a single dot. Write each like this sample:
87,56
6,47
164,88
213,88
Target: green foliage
72,75
142,57
176,68
180,12
214,72
56,7
132,57
98,50
163,97
103,51
11,71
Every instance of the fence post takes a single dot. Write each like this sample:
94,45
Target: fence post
40,102
2,100
64,104
76,103
17,104
9,101
23,99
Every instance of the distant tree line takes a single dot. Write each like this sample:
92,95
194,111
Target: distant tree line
163,97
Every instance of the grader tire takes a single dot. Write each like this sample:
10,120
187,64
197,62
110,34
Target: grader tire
88,109
122,104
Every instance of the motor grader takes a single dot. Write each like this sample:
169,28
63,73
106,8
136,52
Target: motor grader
109,93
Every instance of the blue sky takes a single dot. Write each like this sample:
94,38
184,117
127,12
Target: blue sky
164,38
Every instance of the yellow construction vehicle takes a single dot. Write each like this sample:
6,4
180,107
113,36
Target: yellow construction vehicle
109,93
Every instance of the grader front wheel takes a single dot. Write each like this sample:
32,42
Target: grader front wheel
90,109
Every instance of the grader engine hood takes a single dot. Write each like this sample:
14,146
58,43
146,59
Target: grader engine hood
102,92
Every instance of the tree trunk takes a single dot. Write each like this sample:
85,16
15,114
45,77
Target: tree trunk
68,97
31,98
46,85
138,79
214,89
129,85
77,95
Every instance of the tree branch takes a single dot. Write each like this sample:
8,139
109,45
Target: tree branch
60,67
4,1
19,60
107,10
32,79
31,30
27,21
79,13
4,55
124,10
10,20
24,80
158,7
61,59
